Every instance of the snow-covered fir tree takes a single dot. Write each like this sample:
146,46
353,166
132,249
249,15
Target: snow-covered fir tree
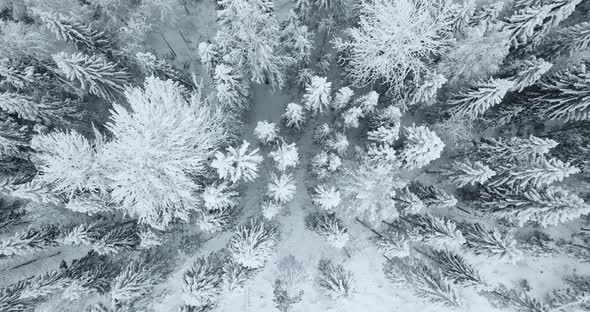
92,74
152,66
253,243
324,163
317,95
477,100
208,56
537,172
421,146
350,117
496,150
426,92
201,281
294,115
237,163
368,102
468,173
335,280
491,243
266,132
285,156
531,72
568,40
229,87
326,198
271,209
296,38
84,36
218,196
281,188
329,227
338,142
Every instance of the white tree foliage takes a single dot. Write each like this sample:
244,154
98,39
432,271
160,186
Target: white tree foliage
253,243
342,98
218,196
230,89
93,74
317,94
202,282
514,148
469,173
208,56
237,163
421,147
425,93
158,148
531,72
281,188
538,173
326,198
294,115
270,209
285,156
394,38
477,100
266,132
335,280
70,29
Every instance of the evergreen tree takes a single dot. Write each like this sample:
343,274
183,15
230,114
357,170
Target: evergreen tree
454,266
531,72
368,102
218,196
266,132
326,198
296,38
432,196
467,172
202,281
477,100
93,74
285,156
253,243
152,66
281,188
208,56
517,300
16,76
138,278
537,172
271,209
294,115
317,95
564,95
491,243
84,36
329,227
231,90
335,280
425,93
547,207
498,150
342,98
568,40
23,243
435,232
237,164
421,147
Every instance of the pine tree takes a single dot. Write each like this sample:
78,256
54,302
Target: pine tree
84,36
531,72
253,243
517,300
432,196
547,207
138,278
368,102
92,73
202,281
218,196
453,266
117,239
231,90
285,156
271,209
335,280
568,40
294,115
467,172
14,76
537,172
426,282
487,15
342,98
317,95
498,150
338,142
326,198
266,132
68,164
531,23
393,39
350,117
435,232
281,188
421,147
492,243
329,227
325,163
296,38
564,96
477,100
23,243
425,93
208,56
152,66
238,163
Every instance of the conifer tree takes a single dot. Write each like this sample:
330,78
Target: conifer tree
326,198
467,172
329,227
285,156
138,278
335,280
218,196
93,74
294,115
16,76
317,95
26,242
568,40
425,93
537,172
547,207
253,243
435,232
296,38
84,36
237,163
153,66
266,132
496,150
421,147
202,281
477,100
432,196
453,266
531,72
231,90
342,98
281,188
565,95
208,56
491,243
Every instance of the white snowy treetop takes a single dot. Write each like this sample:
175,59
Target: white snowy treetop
237,163
368,102
537,172
385,135
342,98
271,209
201,282
326,198
351,117
294,115
393,38
208,55
425,93
253,243
338,142
531,73
317,94
281,188
231,90
285,156
218,196
467,172
158,147
476,101
421,147
266,132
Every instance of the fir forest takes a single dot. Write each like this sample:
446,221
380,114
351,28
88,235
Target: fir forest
294,155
